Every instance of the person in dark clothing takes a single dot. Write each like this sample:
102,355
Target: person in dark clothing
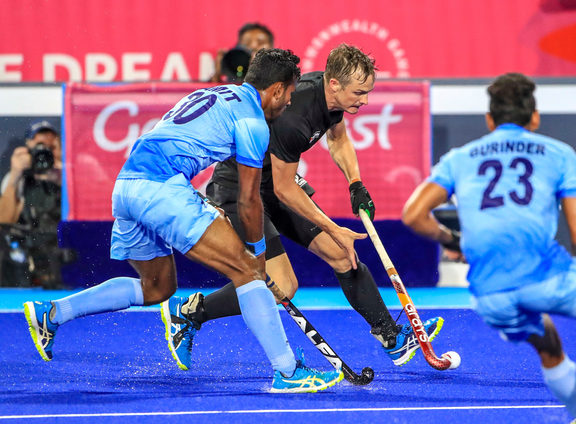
317,108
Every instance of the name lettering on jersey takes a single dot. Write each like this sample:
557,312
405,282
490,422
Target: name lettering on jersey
314,137
225,91
508,146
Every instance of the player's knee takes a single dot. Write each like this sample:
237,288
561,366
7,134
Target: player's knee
157,290
341,263
291,288
336,257
247,268
549,346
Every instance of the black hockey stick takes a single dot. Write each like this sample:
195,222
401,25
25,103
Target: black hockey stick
367,374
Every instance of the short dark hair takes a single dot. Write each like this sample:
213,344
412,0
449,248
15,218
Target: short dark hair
344,60
255,25
270,66
512,99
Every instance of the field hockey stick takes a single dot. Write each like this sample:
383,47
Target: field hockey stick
367,374
449,360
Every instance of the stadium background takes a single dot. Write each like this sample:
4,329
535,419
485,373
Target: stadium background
446,50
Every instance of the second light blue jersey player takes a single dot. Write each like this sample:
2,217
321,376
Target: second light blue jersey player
202,128
510,246
509,186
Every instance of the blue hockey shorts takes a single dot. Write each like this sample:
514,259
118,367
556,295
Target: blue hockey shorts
517,314
154,217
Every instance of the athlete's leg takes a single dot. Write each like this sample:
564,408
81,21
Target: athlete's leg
558,370
157,283
221,249
548,346
518,315
358,284
556,295
44,318
224,302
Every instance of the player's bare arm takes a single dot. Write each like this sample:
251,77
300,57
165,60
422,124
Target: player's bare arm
296,199
342,151
250,209
569,208
417,212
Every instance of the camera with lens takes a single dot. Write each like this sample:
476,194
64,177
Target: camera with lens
42,158
235,63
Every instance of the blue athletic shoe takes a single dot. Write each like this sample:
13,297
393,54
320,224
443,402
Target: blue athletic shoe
304,379
41,328
180,331
406,343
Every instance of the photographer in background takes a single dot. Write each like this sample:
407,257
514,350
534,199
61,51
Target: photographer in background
232,65
30,211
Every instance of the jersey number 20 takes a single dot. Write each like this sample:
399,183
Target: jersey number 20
489,200
181,116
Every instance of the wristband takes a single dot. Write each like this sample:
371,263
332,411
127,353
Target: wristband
258,247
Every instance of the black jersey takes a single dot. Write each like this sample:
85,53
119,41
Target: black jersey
303,123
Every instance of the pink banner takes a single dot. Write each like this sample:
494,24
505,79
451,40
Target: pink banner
391,135
155,40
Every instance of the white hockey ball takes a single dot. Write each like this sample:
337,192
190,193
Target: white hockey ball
454,358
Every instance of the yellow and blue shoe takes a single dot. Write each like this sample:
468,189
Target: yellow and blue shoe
180,330
406,342
305,379
41,328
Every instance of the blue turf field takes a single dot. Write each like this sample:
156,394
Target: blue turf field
116,368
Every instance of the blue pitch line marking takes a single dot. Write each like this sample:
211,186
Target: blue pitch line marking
307,298
277,411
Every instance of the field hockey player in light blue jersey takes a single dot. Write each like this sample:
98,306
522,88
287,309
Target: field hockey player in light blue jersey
509,185
157,209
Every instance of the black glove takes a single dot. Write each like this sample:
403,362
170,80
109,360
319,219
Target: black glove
361,199
453,244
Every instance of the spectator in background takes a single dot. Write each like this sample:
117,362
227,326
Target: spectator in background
30,208
231,65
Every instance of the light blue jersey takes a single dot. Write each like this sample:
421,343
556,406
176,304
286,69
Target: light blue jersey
155,206
210,125
508,186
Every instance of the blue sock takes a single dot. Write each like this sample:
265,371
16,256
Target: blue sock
561,380
261,315
112,295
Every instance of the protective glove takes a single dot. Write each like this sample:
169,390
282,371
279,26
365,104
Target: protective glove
361,199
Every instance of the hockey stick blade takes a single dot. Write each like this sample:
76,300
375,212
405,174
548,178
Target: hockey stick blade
446,360
367,374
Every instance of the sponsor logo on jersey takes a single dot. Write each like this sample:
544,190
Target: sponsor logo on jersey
314,137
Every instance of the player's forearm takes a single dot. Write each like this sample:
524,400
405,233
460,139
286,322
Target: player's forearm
423,223
344,155
251,215
298,201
